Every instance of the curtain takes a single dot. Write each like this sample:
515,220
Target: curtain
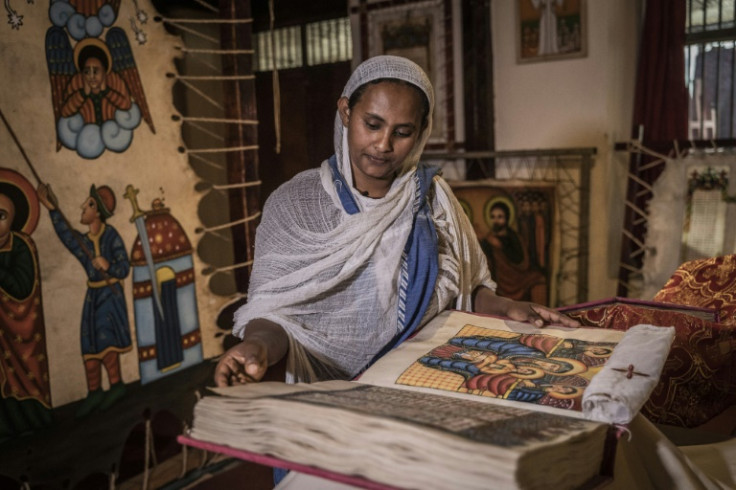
660,109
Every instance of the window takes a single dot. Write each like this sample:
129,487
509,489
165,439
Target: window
710,68
316,43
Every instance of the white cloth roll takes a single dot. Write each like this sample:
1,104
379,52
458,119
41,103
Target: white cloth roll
617,393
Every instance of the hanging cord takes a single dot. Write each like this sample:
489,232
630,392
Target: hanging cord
147,451
206,5
208,162
220,120
198,34
184,453
211,77
241,185
200,85
205,453
179,24
112,482
214,51
205,229
211,270
150,451
225,149
215,135
275,81
199,92
637,148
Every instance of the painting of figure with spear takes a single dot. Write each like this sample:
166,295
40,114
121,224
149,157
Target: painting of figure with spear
105,331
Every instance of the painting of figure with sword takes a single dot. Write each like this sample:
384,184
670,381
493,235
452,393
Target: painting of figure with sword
105,331
164,294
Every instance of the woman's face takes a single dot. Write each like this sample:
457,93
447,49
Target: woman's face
383,127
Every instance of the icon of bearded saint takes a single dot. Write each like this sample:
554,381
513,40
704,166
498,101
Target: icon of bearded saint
96,91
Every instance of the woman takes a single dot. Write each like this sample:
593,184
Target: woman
353,257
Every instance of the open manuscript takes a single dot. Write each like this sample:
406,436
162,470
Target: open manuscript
470,402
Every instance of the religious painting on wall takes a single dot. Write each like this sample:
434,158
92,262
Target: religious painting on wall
704,229
164,295
550,30
514,224
108,228
690,216
416,30
122,304
25,382
97,94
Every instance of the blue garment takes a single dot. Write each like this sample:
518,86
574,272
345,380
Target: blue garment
279,474
459,366
504,348
105,324
419,262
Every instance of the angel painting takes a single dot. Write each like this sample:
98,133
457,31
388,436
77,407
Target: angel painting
97,93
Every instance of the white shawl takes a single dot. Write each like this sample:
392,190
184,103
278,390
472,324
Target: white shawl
330,278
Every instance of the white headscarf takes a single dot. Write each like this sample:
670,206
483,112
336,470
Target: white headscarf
393,67
330,278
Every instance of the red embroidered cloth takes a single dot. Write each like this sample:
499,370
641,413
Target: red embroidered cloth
709,283
699,377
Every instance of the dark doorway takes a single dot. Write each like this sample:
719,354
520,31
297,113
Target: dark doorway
308,103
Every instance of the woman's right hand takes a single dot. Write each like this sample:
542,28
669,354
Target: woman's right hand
243,363
265,344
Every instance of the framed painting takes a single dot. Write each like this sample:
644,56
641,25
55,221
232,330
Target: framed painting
416,30
549,30
706,209
514,223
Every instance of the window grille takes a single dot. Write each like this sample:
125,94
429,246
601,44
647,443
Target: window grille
710,68
316,43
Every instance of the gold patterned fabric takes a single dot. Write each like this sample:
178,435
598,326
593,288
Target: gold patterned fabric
709,283
698,381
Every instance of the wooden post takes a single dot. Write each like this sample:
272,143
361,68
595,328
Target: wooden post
240,103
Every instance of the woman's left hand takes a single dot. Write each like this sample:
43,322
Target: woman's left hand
486,301
538,315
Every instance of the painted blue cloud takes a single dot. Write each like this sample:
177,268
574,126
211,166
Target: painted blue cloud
129,119
107,15
68,129
116,138
93,26
77,26
89,142
62,13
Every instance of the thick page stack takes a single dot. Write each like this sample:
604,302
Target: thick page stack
404,439
469,400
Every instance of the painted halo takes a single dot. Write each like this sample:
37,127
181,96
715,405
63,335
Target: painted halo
22,190
492,202
92,41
